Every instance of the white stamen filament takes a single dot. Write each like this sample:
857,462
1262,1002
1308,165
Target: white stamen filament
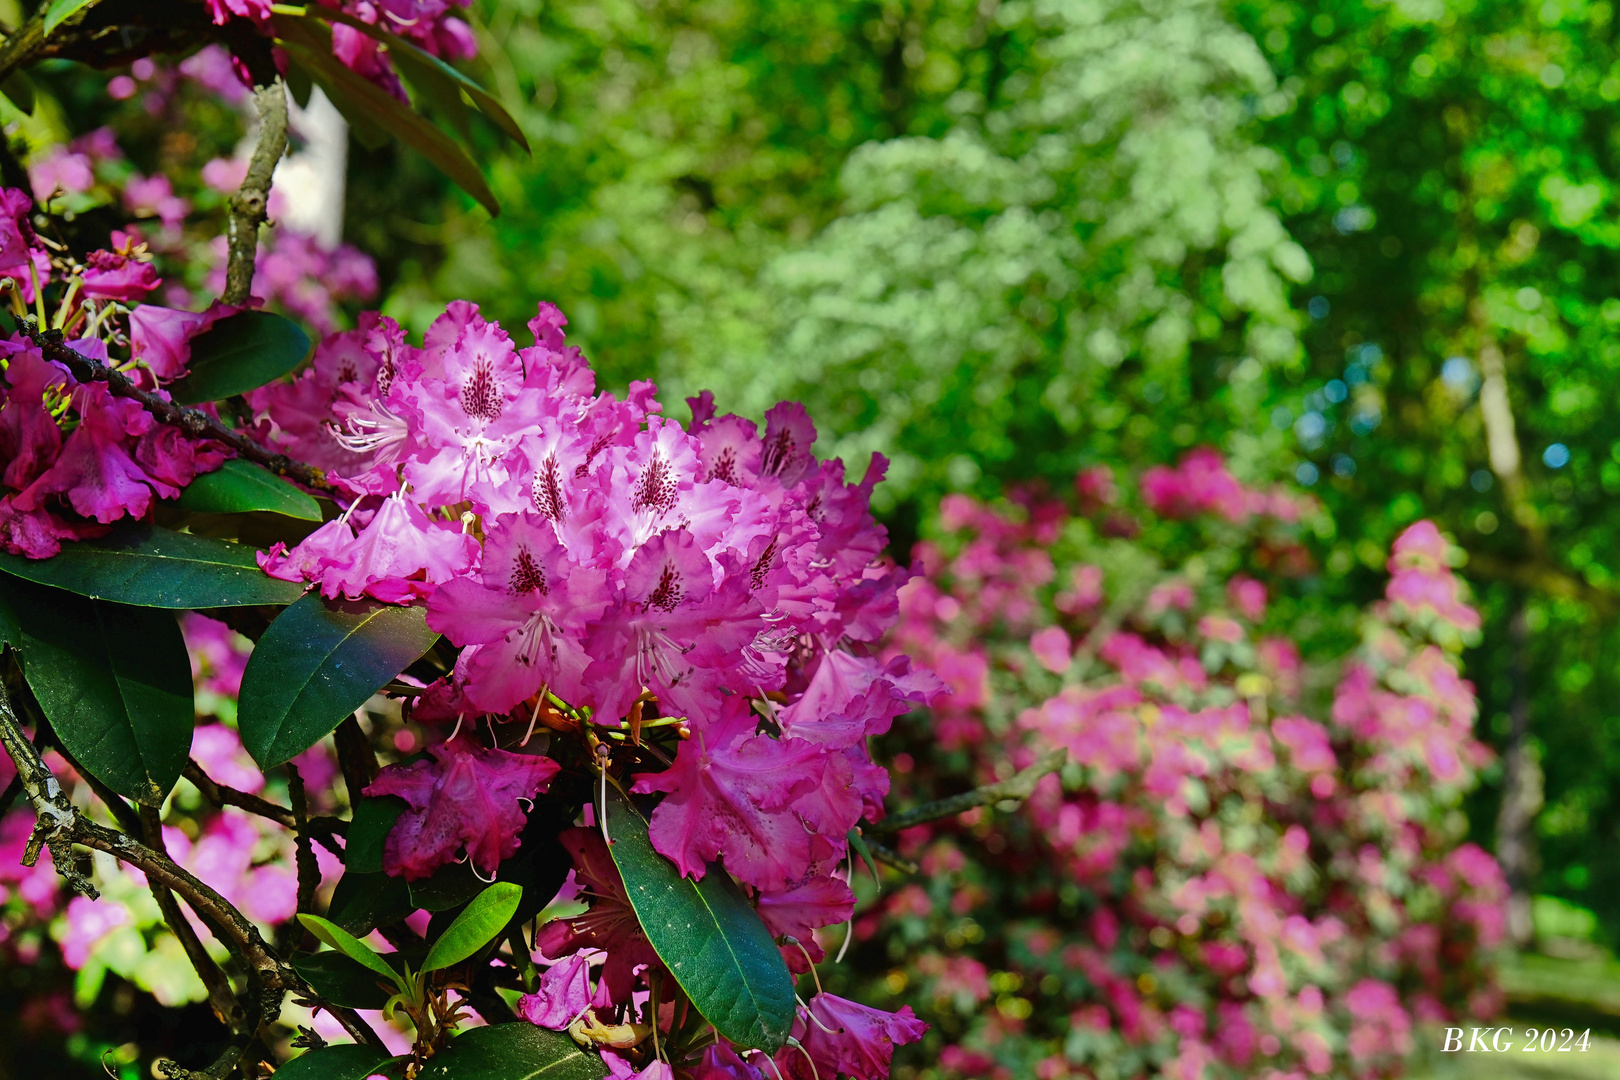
791,1041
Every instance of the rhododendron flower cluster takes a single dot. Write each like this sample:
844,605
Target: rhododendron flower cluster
430,25
77,458
603,568
1232,878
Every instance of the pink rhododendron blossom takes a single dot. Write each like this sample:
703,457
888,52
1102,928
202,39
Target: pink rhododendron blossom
21,257
850,1039
124,274
1317,922
61,170
1051,647
524,623
799,911
462,800
218,749
563,996
160,337
1248,596
223,10
153,196
721,1062
610,925
730,794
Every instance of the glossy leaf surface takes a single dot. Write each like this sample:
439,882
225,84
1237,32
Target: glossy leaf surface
240,487
342,981
61,11
317,663
519,1051
115,683
707,935
361,902
485,916
346,943
146,566
239,353
429,74
364,101
346,1061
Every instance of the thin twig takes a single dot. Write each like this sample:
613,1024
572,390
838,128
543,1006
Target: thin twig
220,795
1017,787
891,857
309,871
220,995
356,757
193,422
321,827
236,1049
60,826
23,45
249,207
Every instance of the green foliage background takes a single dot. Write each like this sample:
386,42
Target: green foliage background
1000,241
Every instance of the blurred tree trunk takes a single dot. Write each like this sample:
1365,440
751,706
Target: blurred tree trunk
1521,778
1521,786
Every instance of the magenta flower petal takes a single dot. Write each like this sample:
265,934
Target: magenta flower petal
462,800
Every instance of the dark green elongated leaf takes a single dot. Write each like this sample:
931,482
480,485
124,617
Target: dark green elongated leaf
857,844
240,487
708,936
447,888
114,682
146,566
484,918
239,353
10,627
342,981
299,85
513,1052
19,91
429,84
361,902
61,10
349,945
428,73
358,97
346,1061
373,820
319,661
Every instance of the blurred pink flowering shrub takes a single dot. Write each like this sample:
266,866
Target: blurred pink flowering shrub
1250,866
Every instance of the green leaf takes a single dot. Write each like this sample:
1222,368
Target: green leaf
708,936
446,888
62,10
372,821
429,74
342,981
115,683
19,91
10,627
346,943
346,1061
362,100
241,487
513,1052
361,902
857,844
317,663
147,566
299,85
476,926
239,353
